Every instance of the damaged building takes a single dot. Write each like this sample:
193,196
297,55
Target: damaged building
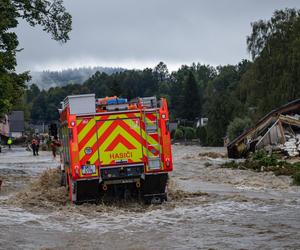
278,130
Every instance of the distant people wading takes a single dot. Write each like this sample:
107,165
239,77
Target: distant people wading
34,146
9,142
54,144
37,146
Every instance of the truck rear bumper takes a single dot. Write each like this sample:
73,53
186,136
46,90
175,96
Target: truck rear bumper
121,172
119,180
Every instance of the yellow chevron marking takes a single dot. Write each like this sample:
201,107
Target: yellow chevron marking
78,121
112,117
105,124
85,130
119,130
94,157
149,139
89,143
136,154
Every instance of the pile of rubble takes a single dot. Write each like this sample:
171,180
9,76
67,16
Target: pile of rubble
292,145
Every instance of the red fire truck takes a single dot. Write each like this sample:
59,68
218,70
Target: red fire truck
115,147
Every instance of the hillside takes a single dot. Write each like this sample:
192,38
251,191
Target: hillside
48,79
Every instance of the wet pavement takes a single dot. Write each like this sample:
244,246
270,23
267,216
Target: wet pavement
209,208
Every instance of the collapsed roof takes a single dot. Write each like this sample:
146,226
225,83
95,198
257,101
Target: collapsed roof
275,128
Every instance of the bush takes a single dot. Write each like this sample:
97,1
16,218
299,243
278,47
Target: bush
261,161
230,164
201,133
265,159
189,133
258,155
178,135
172,134
237,127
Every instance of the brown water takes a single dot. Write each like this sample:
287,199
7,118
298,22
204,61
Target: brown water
209,208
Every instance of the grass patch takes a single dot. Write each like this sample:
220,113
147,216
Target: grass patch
260,161
232,164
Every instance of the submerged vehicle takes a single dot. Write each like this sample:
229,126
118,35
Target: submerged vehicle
115,147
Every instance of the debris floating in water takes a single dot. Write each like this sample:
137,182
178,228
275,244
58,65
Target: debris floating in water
212,155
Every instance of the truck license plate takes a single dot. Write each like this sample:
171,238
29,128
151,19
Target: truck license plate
88,169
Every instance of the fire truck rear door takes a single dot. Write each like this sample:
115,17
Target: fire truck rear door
119,140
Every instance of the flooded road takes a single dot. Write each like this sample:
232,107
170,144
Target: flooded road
209,208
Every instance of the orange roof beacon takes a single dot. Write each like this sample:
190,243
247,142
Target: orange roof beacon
112,147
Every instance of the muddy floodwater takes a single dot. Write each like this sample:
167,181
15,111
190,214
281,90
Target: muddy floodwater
209,208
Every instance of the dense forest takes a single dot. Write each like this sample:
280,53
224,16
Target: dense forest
192,92
232,97
48,79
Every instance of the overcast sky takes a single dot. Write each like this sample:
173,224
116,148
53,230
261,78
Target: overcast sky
140,33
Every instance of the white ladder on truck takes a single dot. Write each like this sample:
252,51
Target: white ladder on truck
153,161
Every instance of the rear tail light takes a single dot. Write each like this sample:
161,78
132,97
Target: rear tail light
168,163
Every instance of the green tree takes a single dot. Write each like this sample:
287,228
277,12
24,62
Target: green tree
50,14
161,72
201,133
222,104
219,112
39,107
189,133
274,77
178,135
237,126
266,33
32,92
191,100
115,88
53,18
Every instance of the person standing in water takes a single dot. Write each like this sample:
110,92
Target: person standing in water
37,145
34,146
54,145
9,142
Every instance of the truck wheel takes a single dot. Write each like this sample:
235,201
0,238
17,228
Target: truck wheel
155,199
